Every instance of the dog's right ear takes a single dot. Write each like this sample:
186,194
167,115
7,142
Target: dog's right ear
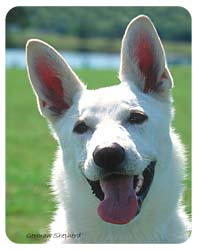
143,60
52,79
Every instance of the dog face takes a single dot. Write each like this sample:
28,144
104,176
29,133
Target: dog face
112,135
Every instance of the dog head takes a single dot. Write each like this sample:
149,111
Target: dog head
114,135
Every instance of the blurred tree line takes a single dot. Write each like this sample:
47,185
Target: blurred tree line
90,26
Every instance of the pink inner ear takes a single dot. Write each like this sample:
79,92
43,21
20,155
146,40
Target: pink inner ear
145,57
52,85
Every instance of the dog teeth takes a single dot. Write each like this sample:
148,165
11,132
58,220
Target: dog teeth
139,183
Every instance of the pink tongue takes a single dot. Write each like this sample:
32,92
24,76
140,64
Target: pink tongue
120,203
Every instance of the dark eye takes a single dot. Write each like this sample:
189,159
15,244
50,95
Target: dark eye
137,117
80,127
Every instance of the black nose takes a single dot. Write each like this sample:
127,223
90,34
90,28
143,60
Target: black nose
109,157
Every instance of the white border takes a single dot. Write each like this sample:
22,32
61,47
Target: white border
187,4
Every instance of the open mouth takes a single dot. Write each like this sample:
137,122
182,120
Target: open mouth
121,196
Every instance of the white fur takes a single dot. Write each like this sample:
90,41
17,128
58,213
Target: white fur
162,218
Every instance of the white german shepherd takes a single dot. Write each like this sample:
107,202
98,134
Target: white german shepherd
119,171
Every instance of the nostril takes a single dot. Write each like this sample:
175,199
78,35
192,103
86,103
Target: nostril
109,157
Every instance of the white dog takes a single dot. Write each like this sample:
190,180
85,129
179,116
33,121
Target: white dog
119,171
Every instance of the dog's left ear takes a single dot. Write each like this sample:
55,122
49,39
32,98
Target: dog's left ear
143,60
52,79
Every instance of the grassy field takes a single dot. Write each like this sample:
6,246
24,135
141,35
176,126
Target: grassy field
93,44
30,154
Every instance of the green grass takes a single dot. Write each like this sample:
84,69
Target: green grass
91,44
30,153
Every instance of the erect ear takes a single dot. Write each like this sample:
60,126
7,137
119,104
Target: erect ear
143,60
52,79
